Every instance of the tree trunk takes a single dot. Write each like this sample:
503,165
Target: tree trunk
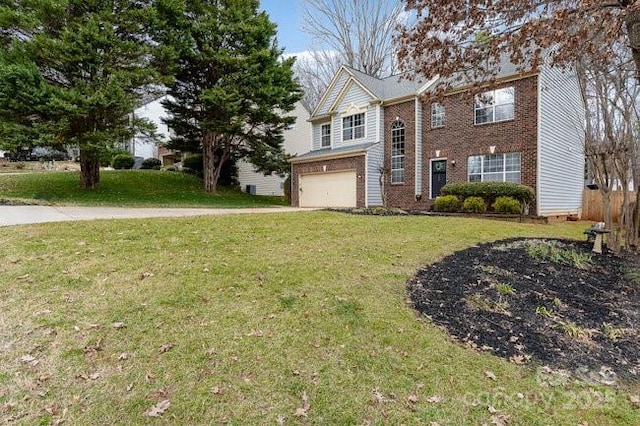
212,166
89,169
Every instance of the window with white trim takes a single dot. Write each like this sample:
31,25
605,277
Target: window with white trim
437,115
397,152
325,135
353,127
495,105
494,168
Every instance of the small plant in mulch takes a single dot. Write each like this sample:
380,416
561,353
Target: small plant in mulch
542,301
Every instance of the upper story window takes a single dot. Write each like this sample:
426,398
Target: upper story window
353,127
437,115
325,135
495,105
495,168
397,152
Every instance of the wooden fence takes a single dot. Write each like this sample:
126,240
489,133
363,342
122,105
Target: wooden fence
592,204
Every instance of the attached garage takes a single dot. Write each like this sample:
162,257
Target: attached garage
335,189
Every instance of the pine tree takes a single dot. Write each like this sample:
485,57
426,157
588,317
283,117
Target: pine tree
232,87
72,72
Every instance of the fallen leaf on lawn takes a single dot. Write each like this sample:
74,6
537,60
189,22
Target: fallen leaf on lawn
210,351
500,420
94,376
149,376
165,348
158,409
434,424
129,387
492,409
635,399
160,394
217,390
30,359
300,412
255,333
435,399
518,359
123,356
280,420
377,397
145,275
413,398
93,326
118,325
490,375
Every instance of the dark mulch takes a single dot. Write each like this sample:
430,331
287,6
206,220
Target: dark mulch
504,298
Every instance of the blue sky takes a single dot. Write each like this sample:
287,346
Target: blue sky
287,14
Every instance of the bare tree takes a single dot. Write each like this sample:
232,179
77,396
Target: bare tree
314,70
357,33
612,146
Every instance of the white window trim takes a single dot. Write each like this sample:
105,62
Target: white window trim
493,107
443,114
403,156
504,171
364,127
322,135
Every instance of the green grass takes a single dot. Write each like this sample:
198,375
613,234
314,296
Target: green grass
125,188
260,310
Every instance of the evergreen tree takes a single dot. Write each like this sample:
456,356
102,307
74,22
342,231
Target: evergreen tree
231,86
72,72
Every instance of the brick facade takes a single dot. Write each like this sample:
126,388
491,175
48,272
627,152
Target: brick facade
461,138
356,163
401,194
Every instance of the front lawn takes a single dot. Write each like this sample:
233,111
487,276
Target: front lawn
264,319
135,188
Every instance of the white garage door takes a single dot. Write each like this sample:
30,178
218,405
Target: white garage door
328,190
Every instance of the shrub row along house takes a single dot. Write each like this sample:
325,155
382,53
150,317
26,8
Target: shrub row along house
375,142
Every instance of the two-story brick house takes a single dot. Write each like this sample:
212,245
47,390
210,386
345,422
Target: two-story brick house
377,143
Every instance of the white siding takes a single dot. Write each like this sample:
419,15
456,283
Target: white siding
418,141
355,95
296,141
560,153
317,135
265,185
153,112
331,96
375,160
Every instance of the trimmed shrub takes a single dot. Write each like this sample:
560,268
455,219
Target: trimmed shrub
193,164
474,205
105,156
123,161
446,203
287,189
506,205
489,191
170,169
151,163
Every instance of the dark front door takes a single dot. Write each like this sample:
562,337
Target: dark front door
438,176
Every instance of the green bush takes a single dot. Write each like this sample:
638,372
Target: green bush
489,191
474,205
446,203
193,164
287,189
170,169
151,163
123,161
105,156
506,205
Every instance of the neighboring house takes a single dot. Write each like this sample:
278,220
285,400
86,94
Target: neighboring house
153,111
375,142
296,141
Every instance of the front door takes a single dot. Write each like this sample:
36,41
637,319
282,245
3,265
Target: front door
438,176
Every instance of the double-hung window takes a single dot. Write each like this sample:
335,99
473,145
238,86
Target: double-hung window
437,115
353,127
495,105
494,168
397,152
325,135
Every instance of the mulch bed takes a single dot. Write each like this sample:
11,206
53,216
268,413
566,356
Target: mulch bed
567,309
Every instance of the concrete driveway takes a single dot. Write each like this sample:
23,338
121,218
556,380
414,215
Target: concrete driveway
19,215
